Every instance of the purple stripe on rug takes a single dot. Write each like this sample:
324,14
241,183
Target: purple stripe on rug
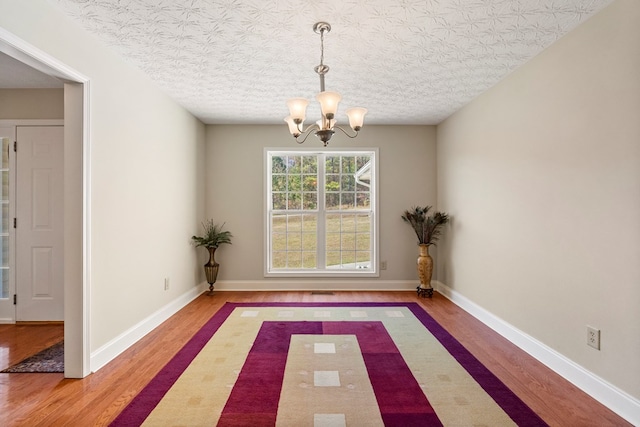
142,405
144,402
257,392
400,399
372,336
517,410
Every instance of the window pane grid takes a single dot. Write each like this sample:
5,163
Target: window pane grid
294,182
294,243
333,187
342,189
348,242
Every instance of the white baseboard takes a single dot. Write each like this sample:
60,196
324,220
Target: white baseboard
116,346
316,285
609,395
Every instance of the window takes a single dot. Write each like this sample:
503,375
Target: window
321,213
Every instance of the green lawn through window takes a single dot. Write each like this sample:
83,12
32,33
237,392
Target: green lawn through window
294,242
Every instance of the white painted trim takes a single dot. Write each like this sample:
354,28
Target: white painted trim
86,227
609,395
77,314
338,284
122,342
374,272
36,58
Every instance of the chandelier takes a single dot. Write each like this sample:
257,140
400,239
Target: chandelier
323,128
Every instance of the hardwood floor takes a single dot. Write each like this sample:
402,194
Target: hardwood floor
50,400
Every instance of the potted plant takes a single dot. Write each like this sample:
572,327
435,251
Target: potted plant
427,228
213,236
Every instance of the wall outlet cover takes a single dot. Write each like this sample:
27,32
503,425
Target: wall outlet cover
593,337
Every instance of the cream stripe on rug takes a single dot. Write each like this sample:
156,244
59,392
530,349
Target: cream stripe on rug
326,383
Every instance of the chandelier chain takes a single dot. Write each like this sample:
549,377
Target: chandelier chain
321,48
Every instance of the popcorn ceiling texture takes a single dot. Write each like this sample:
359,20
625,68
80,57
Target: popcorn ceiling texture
407,61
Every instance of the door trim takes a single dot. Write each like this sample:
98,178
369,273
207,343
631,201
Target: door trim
77,233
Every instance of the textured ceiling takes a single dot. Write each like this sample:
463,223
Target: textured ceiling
407,61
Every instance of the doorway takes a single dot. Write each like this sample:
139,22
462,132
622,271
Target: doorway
76,199
31,221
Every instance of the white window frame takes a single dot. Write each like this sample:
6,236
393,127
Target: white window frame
373,271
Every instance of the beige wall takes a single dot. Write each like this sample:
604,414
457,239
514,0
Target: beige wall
542,177
31,104
146,182
235,188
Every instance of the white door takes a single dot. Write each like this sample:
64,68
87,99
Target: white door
7,170
39,223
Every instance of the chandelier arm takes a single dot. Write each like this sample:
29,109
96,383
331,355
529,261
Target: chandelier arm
345,132
305,133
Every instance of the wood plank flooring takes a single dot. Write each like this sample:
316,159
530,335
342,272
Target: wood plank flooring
50,400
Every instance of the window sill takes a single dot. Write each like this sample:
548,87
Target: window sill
324,274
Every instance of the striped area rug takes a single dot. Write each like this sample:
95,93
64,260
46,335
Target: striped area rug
325,365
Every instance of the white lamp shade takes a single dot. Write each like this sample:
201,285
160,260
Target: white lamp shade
329,103
356,117
331,123
293,127
298,108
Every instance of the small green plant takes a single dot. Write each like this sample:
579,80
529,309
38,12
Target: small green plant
213,236
427,227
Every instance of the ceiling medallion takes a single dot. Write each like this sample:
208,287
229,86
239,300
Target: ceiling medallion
324,128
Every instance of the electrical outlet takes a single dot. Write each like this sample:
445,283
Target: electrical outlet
593,337
383,265
166,283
